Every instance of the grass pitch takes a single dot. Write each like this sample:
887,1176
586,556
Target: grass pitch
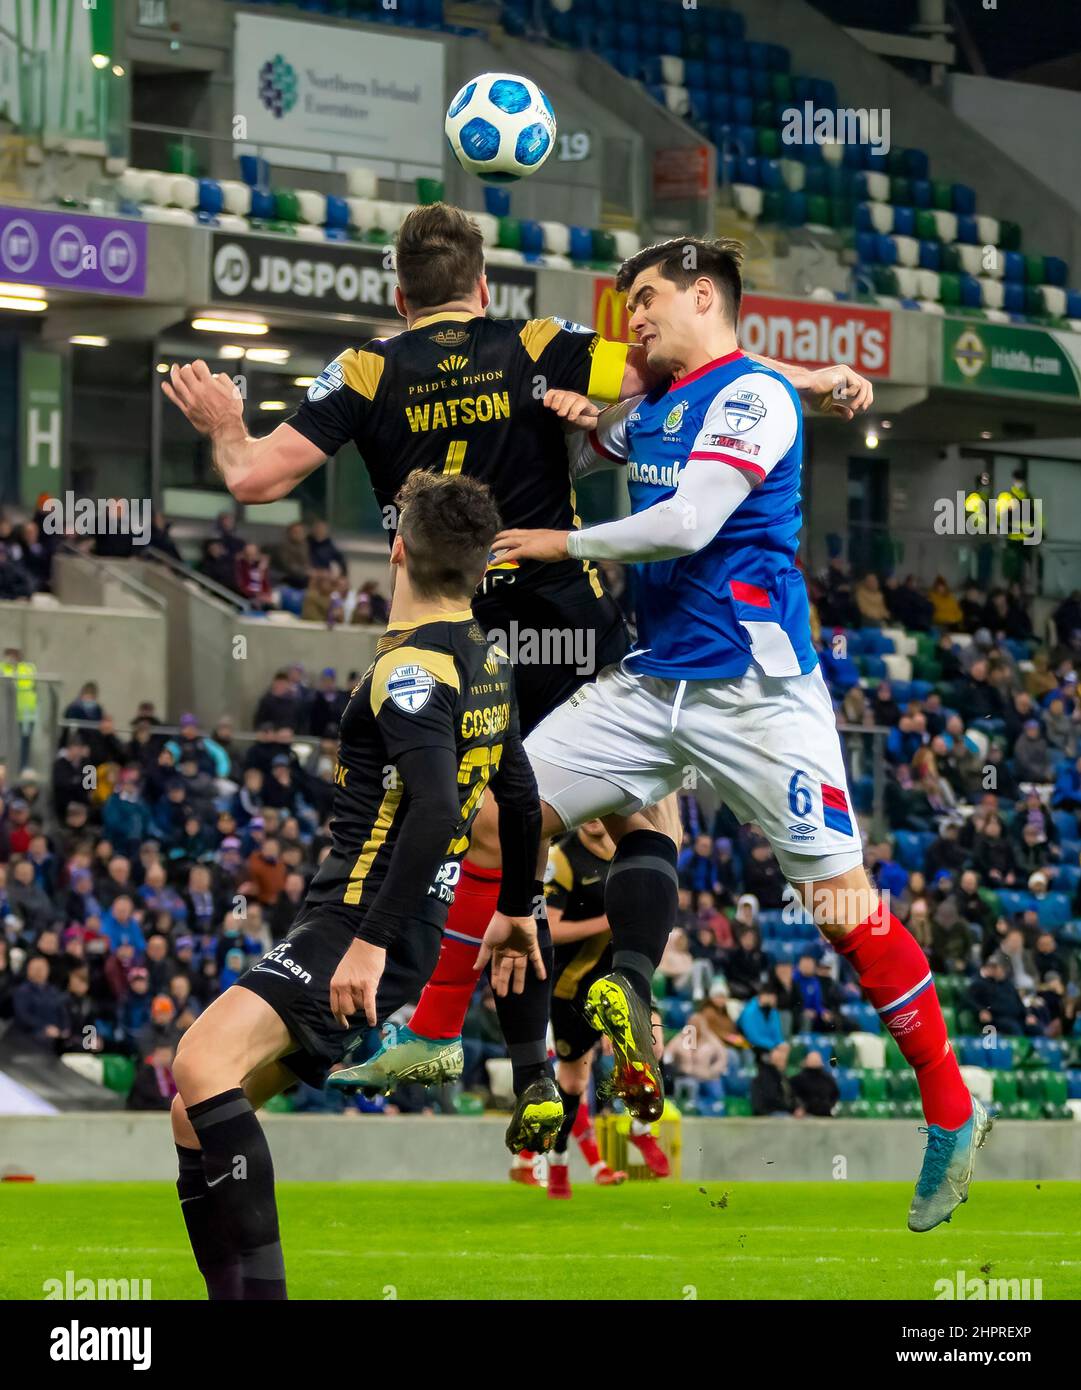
658,1240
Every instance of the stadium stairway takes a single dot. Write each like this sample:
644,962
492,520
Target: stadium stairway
46,1076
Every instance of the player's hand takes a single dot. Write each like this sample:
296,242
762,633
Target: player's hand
511,944
577,411
355,982
531,545
838,391
208,399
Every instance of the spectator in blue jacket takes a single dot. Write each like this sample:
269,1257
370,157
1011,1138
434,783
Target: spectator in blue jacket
120,926
697,870
1067,793
760,1021
126,817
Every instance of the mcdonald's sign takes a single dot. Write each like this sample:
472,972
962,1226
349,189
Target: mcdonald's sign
610,317
808,332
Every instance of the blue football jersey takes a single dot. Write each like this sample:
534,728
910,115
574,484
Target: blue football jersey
740,598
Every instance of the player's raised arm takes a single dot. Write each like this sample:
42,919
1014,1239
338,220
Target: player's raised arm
836,390
716,478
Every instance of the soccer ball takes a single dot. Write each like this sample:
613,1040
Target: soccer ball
501,127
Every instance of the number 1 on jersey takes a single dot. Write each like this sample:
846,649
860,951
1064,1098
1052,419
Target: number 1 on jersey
455,455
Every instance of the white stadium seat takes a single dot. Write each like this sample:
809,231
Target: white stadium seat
870,1049
980,1082
557,237
236,197
749,199
313,206
361,182
489,227
672,70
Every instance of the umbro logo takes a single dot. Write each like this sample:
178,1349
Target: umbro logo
802,830
904,1023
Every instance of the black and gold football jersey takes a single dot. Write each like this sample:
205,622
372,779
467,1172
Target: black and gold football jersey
462,394
436,687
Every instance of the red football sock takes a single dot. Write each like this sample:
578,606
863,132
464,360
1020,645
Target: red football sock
444,1001
894,974
583,1131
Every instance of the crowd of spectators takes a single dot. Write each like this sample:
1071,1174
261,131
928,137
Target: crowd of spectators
305,573
163,860
981,859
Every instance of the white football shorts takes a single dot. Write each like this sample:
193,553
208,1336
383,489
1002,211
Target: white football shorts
768,745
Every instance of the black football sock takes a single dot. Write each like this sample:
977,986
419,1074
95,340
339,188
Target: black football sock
524,1017
239,1171
218,1262
571,1103
641,895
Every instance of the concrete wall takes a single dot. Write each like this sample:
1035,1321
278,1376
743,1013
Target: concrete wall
1037,126
127,1147
123,650
221,662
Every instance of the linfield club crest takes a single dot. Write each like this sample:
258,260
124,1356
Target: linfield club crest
674,418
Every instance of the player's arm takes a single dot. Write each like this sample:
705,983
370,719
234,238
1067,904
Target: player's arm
836,390
263,470
564,931
720,472
254,470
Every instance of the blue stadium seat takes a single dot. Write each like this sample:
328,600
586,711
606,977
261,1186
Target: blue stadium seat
1073,1083
864,1016
1013,266
904,221
581,247
1065,824
964,199
921,689
676,1011
1052,1052
908,849
1071,849
848,1082
968,231
1067,878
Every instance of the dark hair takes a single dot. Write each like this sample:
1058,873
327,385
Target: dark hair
439,256
446,525
686,259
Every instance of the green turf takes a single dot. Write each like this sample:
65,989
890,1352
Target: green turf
642,1240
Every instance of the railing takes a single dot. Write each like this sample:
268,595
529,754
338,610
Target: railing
28,737
210,587
118,575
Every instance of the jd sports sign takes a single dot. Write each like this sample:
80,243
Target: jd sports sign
332,279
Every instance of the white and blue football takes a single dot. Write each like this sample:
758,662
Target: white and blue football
501,127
